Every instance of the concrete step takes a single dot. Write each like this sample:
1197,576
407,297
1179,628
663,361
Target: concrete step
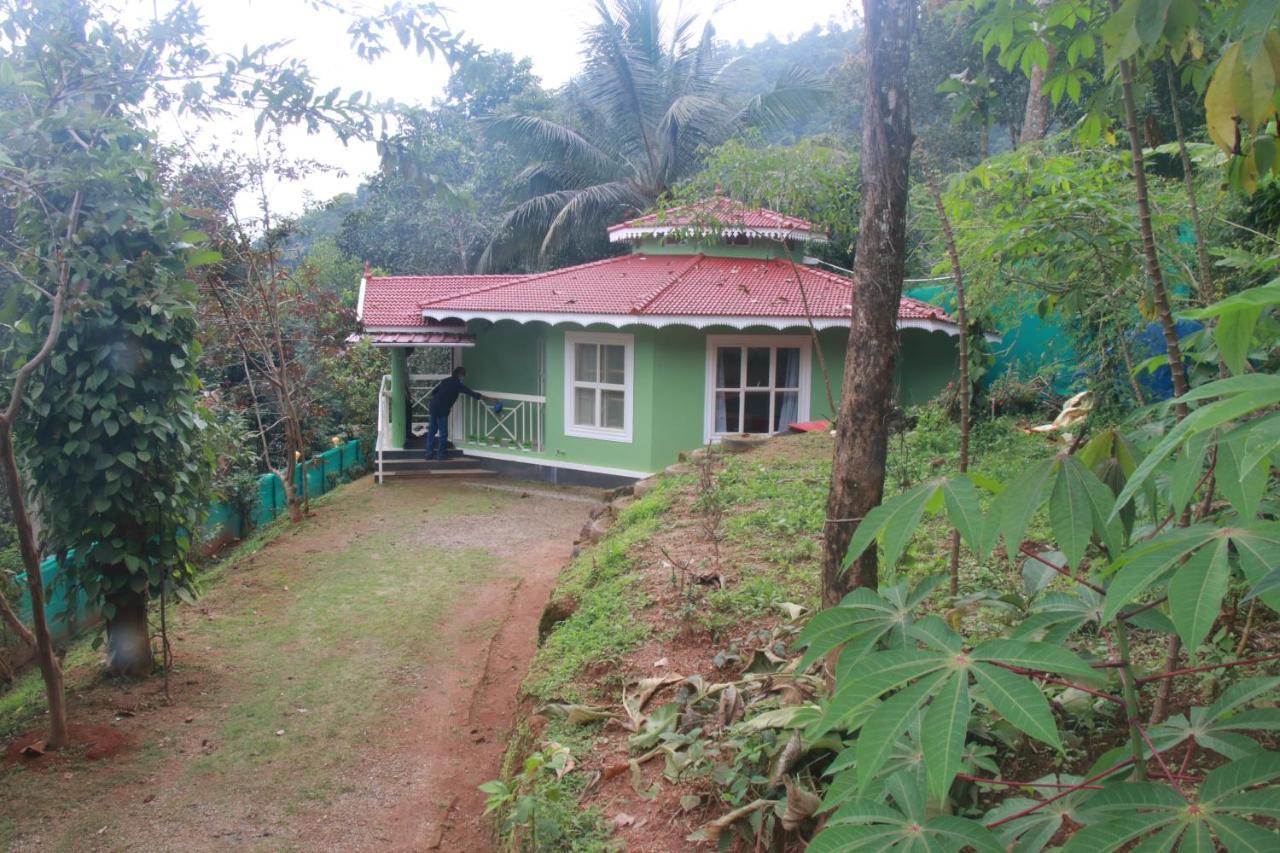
420,473
414,455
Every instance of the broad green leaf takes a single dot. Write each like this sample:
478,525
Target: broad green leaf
942,738
860,684
841,839
1126,797
1264,801
1239,694
1242,487
1196,591
860,612
1234,335
1258,548
933,631
1110,835
1146,563
863,810
1149,21
1261,396
959,833
893,522
1032,655
1069,512
1239,835
1120,38
961,499
1013,508
1164,841
1018,701
880,733
1187,471
1238,775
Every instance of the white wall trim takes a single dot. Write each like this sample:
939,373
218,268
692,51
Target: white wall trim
364,279
527,459
801,235
628,342
660,321
804,344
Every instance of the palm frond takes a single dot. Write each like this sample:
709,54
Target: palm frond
797,93
549,140
689,123
589,203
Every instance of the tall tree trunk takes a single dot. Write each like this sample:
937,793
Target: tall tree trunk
966,389
867,392
50,670
129,636
1035,117
1160,294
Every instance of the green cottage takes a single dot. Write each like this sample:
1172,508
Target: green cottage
607,370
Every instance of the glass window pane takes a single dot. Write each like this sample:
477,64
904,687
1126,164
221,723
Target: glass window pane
584,406
727,411
786,410
585,360
758,367
728,367
614,370
613,409
787,372
755,417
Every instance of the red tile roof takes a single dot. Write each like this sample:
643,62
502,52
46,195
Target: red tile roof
640,285
394,301
719,212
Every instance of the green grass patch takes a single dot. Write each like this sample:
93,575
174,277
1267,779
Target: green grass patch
603,627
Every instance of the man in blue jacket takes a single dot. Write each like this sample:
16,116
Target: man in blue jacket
441,403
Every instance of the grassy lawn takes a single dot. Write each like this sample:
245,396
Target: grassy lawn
304,650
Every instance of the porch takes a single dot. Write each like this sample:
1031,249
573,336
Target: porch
476,431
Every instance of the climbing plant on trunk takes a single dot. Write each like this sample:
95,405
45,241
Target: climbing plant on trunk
867,394
113,436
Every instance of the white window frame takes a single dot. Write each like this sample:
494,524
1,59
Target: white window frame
571,340
802,342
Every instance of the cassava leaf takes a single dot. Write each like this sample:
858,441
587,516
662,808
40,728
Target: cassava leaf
1019,701
1196,591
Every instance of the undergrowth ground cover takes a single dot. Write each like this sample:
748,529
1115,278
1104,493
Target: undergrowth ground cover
704,579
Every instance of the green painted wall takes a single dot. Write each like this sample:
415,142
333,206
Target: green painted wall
669,384
927,362
714,246
505,357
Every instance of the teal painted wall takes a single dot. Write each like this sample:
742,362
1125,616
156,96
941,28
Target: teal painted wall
669,383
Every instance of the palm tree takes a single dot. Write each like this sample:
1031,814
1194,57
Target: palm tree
647,101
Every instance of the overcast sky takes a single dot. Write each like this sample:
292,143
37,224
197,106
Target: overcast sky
547,31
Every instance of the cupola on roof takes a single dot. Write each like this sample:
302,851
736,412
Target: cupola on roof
719,214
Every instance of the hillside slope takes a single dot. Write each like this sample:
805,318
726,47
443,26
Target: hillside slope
659,698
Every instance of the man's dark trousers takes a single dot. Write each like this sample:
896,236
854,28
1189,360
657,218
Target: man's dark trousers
437,425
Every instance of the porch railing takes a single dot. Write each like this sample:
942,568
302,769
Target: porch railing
518,426
420,387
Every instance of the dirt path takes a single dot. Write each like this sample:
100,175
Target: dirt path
345,688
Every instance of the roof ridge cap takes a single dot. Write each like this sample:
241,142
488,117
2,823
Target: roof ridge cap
639,306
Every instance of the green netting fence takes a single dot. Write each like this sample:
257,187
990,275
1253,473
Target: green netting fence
67,610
